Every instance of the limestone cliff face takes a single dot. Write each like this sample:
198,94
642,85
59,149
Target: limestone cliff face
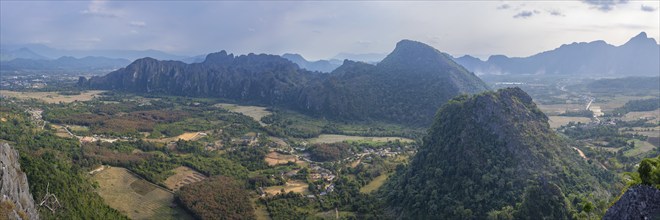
639,202
16,201
406,87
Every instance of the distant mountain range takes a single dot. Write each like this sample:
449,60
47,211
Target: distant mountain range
325,66
329,65
45,52
640,56
65,63
406,87
21,53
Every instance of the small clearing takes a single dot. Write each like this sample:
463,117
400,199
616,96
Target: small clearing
335,138
375,184
61,132
273,159
187,136
135,197
183,176
296,186
254,112
640,148
52,97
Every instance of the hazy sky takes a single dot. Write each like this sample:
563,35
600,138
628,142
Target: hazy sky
323,29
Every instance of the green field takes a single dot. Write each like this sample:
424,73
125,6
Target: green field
640,148
375,184
254,112
135,197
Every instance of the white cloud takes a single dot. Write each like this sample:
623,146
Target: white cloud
555,12
605,5
648,8
138,24
526,14
98,8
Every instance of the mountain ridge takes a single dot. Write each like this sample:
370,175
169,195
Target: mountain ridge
353,91
637,57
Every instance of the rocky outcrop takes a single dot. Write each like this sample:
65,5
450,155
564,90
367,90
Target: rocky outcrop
16,201
639,202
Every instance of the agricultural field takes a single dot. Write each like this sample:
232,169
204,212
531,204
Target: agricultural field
296,186
135,197
640,148
53,97
610,103
556,109
649,132
183,176
60,131
273,159
186,136
254,112
558,121
334,138
654,116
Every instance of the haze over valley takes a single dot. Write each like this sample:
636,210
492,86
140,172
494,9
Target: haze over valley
330,110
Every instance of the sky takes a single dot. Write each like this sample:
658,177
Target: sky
320,30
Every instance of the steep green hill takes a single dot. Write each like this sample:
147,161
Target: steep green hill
408,86
494,154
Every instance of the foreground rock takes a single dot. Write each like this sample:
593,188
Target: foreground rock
639,202
16,201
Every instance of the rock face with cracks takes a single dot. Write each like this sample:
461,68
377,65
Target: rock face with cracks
639,202
16,201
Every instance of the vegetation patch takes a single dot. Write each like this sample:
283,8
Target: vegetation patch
217,198
334,138
329,152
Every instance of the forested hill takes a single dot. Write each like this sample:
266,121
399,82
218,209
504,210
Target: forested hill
491,155
406,87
